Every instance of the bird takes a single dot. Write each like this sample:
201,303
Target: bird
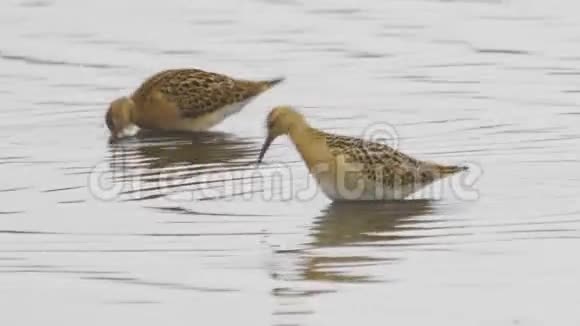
180,100
349,168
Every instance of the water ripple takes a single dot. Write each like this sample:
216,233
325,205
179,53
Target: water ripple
49,62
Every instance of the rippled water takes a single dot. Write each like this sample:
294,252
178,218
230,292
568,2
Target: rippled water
185,228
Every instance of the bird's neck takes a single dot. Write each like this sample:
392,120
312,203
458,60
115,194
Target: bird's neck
311,145
131,111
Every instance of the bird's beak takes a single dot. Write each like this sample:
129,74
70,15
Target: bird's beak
112,139
265,147
116,134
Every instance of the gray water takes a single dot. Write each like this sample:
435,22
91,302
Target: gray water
182,229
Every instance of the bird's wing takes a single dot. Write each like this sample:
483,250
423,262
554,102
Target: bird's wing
196,92
380,162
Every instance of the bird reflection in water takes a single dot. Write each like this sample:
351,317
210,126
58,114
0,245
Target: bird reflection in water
155,164
346,234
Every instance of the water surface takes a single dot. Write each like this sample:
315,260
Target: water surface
185,228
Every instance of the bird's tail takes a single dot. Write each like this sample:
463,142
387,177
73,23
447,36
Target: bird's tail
451,169
267,84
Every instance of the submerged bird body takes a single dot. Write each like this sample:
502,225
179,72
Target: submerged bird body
183,100
349,168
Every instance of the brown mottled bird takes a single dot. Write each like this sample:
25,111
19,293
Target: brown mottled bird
349,168
182,100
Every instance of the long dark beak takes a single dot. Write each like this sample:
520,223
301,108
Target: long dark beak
265,147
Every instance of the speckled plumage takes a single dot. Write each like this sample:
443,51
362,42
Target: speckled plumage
185,100
382,163
381,171
197,92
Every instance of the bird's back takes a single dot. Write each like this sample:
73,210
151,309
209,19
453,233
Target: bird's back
398,174
193,99
196,92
